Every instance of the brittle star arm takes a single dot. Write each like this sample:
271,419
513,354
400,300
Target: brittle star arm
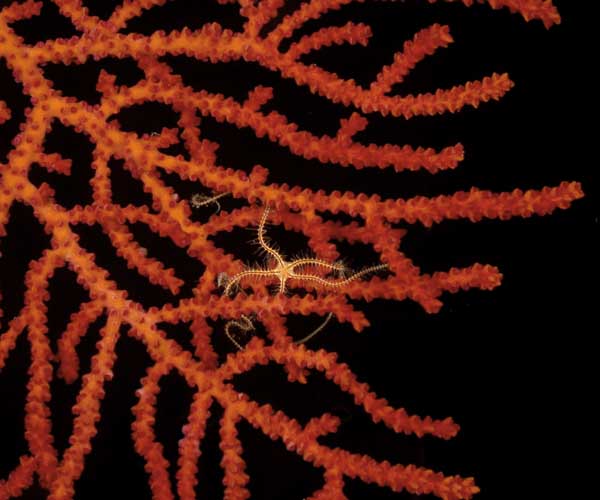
331,266
260,273
315,331
263,242
201,200
340,283
244,324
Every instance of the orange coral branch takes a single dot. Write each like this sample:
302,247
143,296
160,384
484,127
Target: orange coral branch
4,112
318,275
143,433
87,412
19,479
424,43
529,9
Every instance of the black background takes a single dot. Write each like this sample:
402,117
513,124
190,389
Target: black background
511,366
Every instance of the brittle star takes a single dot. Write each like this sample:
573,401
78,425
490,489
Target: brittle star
285,270
245,325
201,200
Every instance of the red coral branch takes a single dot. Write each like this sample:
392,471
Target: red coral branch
317,274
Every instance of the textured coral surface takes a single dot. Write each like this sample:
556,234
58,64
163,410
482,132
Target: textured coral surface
147,144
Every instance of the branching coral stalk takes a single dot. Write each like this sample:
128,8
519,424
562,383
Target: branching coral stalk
294,208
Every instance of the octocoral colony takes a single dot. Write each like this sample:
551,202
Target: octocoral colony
294,208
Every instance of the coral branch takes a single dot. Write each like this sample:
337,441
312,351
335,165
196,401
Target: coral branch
529,9
189,446
424,43
4,112
19,479
143,434
229,297
349,33
87,412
